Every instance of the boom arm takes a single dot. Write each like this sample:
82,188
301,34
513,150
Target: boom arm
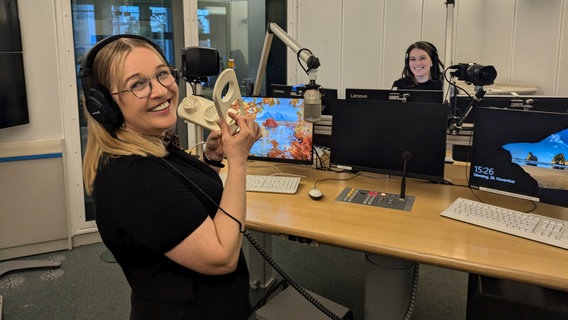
311,61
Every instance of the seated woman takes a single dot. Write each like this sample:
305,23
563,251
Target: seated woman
422,70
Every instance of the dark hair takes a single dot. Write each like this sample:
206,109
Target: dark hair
437,68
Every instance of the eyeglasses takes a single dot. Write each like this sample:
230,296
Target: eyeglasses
142,88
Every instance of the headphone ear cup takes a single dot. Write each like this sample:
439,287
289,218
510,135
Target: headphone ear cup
102,108
435,56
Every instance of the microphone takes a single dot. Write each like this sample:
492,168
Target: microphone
312,104
406,155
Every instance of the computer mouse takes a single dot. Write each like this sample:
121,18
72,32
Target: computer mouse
315,194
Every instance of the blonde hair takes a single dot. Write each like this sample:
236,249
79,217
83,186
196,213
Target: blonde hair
101,145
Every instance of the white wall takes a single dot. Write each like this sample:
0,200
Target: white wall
523,40
33,192
361,43
536,51
39,41
239,37
317,26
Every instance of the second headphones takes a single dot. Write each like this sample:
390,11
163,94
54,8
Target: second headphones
426,46
98,99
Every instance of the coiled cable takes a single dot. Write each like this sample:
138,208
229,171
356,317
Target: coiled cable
291,281
266,255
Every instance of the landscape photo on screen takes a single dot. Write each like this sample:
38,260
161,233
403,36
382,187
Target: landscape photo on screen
544,160
285,134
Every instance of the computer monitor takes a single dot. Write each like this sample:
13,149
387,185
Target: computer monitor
371,135
521,153
286,137
285,91
13,94
328,95
402,95
10,35
322,128
460,103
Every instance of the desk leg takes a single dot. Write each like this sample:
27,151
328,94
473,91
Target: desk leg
389,287
260,271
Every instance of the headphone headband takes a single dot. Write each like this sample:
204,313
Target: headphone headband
420,44
86,67
98,100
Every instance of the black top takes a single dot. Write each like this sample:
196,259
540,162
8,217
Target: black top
144,208
407,83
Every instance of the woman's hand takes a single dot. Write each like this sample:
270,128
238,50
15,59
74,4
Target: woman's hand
237,146
214,146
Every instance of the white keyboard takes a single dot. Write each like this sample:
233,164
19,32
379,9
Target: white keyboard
273,184
527,225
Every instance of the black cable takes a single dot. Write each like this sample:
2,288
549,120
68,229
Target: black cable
455,85
193,86
412,302
300,62
291,281
269,291
454,113
447,182
318,158
266,255
241,228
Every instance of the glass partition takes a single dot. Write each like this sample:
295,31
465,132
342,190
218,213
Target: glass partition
236,28
96,20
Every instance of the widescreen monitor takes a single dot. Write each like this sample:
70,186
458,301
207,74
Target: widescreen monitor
286,91
286,137
401,95
371,135
328,95
521,153
322,128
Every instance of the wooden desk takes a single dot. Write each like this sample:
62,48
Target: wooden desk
420,235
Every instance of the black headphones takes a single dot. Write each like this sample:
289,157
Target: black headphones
430,47
435,57
98,99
